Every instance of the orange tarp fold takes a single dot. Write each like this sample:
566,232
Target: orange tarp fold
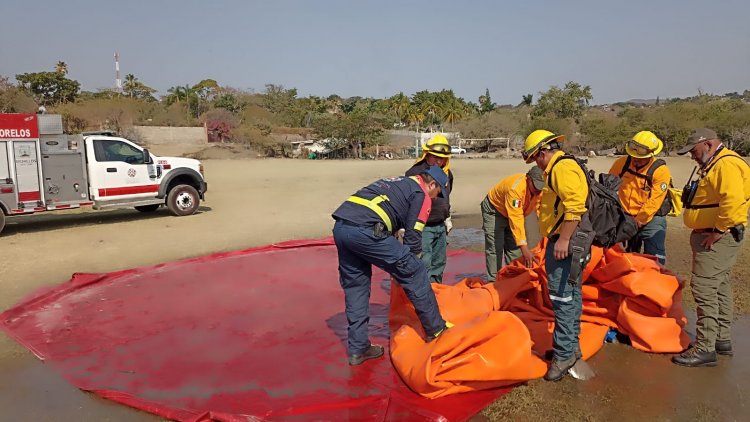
503,329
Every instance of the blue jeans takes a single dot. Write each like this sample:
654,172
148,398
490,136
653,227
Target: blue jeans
567,304
434,245
358,249
652,238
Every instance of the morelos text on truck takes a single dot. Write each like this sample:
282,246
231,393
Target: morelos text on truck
43,169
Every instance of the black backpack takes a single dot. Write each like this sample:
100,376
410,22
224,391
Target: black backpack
666,206
605,216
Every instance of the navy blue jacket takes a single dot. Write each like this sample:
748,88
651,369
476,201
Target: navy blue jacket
408,207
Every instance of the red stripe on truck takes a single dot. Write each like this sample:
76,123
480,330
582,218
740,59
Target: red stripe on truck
128,190
29,196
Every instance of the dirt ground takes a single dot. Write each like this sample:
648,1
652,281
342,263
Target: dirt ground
254,202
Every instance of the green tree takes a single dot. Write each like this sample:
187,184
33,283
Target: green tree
134,88
399,106
358,128
568,102
485,102
13,99
207,89
527,100
49,88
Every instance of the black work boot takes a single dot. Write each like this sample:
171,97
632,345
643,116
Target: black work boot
373,352
724,347
558,368
694,358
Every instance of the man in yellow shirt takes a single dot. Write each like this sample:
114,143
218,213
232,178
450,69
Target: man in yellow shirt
562,205
715,207
644,193
503,218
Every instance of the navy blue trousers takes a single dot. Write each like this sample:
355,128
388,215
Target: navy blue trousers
358,249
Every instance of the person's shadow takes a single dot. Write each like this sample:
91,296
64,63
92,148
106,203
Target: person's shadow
377,327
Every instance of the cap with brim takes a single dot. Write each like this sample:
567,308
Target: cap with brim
695,138
537,177
439,176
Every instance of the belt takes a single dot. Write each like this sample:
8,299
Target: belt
378,229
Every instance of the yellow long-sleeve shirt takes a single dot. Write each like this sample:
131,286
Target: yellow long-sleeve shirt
636,196
727,185
512,198
569,184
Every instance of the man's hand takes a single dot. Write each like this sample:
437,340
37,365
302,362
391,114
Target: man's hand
710,239
561,249
528,257
448,225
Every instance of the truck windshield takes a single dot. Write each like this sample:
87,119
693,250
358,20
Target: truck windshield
108,150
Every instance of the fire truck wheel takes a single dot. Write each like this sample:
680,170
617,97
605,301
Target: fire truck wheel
2,220
183,200
148,208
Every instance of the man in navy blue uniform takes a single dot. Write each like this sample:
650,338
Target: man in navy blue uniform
363,233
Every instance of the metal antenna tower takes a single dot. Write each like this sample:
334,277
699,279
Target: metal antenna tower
118,81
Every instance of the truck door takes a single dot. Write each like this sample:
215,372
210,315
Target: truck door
117,171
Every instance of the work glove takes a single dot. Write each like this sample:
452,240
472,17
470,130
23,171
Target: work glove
448,225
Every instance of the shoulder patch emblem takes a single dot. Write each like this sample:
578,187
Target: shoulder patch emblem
516,203
663,187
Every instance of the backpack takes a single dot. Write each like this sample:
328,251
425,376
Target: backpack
605,215
672,204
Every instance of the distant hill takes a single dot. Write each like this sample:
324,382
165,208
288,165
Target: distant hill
641,101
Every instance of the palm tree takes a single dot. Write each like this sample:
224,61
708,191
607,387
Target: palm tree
414,116
176,94
61,67
130,85
399,105
452,112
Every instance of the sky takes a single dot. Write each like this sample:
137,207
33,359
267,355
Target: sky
623,50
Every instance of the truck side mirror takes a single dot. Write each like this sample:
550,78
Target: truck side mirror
147,157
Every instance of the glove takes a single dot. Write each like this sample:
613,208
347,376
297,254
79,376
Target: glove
448,225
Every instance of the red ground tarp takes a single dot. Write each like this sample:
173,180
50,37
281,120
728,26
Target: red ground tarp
258,333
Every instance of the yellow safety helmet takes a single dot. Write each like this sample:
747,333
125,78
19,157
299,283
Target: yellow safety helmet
537,140
437,146
644,145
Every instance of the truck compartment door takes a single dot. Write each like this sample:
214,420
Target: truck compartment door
26,162
7,189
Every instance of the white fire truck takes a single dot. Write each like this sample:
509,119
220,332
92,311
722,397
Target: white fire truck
43,169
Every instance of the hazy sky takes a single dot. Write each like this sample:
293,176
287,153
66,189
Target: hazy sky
631,49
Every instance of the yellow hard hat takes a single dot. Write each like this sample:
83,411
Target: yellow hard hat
438,146
536,141
644,145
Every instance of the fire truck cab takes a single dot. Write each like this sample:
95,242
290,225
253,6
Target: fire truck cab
43,169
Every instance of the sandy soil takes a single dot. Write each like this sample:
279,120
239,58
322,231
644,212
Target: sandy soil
254,202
